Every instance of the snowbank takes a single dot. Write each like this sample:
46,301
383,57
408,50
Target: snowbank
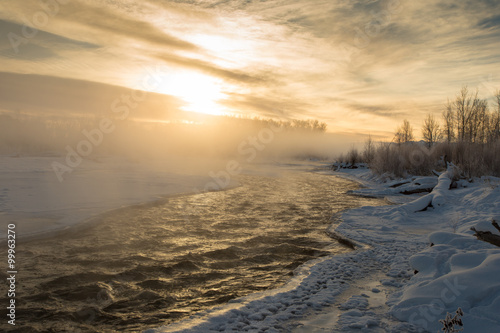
457,271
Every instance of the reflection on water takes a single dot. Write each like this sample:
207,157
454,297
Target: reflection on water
150,265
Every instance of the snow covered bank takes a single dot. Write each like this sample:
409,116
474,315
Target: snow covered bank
456,271
395,281
32,197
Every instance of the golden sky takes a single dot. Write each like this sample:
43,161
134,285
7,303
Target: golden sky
361,66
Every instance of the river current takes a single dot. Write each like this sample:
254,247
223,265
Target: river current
150,265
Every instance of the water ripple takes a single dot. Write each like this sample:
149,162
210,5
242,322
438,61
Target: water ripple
150,265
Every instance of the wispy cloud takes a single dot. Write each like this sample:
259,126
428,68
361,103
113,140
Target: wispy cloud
214,70
45,45
114,24
35,95
272,106
341,61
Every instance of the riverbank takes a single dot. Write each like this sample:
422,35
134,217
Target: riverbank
395,281
436,265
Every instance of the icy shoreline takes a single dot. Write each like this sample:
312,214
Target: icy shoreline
394,281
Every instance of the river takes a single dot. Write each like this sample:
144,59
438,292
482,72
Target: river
153,264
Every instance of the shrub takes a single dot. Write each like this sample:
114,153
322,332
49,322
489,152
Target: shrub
403,159
473,159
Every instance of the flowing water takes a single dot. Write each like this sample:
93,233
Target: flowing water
150,265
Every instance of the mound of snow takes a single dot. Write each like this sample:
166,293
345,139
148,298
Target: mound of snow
458,271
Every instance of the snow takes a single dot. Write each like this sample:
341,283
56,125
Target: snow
394,281
456,272
32,197
438,195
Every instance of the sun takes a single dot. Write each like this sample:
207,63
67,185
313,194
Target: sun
200,92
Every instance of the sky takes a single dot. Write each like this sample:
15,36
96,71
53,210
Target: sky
361,66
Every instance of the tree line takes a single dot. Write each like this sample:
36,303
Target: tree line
466,119
468,135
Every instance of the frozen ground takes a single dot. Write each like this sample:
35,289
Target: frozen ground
413,263
32,197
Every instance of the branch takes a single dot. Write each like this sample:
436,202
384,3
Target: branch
495,224
487,236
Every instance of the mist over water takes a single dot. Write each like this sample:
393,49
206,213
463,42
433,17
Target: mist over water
150,265
196,136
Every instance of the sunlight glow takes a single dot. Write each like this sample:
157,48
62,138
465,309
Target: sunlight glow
226,51
217,44
200,92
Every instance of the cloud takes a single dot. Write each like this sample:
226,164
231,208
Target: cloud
29,52
214,70
43,45
284,57
44,95
388,111
267,106
110,22
115,24
490,22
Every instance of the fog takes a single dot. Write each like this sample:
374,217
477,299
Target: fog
83,120
58,171
220,138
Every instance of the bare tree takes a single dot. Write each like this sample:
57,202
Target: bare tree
369,151
449,122
483,122
469,109
320,127
462,107
477,119
431,131
404,133
352,156
494,130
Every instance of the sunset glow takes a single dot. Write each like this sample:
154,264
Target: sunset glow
200,93
360,66
250,165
